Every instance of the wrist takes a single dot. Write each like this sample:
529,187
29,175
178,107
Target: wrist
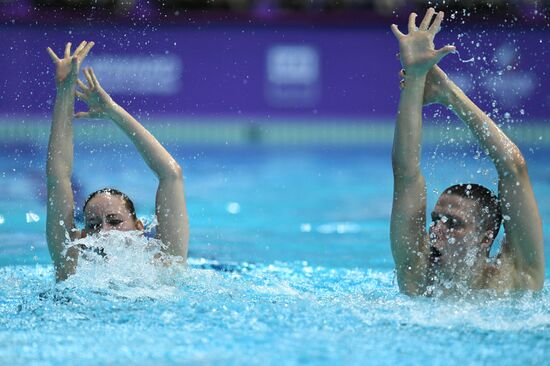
415,71
416,82
65,87
415,76
112,110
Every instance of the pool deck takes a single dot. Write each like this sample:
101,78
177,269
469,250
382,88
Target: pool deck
287,131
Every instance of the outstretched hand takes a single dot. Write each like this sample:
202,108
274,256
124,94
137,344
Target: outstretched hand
416,49
66,68
98,101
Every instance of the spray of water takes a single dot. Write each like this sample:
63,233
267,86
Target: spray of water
472,59
125,264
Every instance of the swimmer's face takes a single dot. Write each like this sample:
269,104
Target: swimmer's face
455,230
105,212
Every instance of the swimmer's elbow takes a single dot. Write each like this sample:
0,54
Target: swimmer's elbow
58,170
516,165
176,171
173,171
397,161
404,167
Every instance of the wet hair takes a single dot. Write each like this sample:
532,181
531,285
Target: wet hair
487,201
127,201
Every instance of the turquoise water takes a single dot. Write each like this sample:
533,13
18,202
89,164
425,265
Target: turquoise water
290,264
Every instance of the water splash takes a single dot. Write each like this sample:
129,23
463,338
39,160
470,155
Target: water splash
210,309
463,60
125,264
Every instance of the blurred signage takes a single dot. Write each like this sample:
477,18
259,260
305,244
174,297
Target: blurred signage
236,71
293,76
154,75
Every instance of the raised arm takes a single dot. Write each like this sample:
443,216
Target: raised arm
59,165
523,245
408,236
173,224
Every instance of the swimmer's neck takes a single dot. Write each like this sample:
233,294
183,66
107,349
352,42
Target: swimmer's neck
460,274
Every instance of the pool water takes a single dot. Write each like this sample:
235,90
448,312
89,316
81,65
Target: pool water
289,264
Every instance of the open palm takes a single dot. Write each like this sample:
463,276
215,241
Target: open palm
417,50
98,101
66,68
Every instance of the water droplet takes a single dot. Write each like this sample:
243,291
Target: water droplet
305,228
32,217
233,208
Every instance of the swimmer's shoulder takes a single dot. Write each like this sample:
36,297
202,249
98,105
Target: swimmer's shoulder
500,273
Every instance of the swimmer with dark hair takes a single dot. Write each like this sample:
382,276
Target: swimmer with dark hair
106,209
454,254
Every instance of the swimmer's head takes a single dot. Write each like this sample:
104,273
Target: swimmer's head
109,209
465,221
